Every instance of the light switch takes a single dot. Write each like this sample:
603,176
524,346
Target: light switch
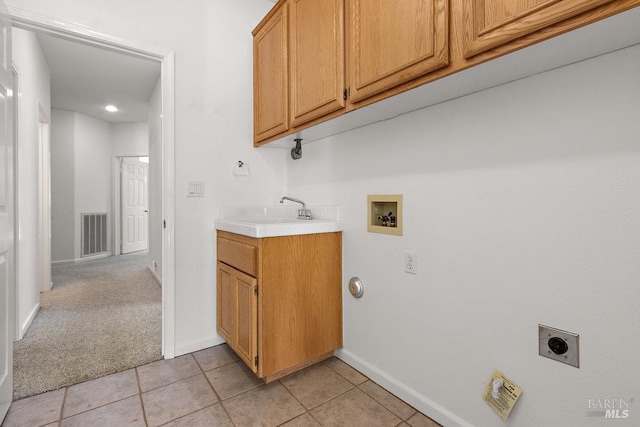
195,189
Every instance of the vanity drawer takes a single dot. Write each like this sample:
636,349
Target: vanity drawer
241,256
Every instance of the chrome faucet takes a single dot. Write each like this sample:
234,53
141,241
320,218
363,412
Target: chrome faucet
303,213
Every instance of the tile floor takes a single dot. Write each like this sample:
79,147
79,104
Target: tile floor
213,387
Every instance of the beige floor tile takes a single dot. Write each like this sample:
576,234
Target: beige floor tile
354,408
388,400
315,385
52,425
421,420
214,357
267,405
213,416
163,372
352,375
304,420
231,380
37,410
126,412
175,400
101,391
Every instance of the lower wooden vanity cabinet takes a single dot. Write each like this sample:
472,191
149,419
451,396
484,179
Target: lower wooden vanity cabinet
279,299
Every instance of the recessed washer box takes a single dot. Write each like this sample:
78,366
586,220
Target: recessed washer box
559,345
384,214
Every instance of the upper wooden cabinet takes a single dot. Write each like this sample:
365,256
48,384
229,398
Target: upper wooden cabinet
308,52
317,58
392,42
492,23
271,76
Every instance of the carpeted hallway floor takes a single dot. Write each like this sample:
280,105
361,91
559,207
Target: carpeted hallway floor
100,317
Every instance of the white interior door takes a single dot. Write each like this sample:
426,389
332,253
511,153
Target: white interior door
7,287
135,205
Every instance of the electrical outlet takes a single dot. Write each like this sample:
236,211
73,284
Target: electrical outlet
410,262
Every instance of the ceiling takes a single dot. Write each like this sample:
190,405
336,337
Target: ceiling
86,78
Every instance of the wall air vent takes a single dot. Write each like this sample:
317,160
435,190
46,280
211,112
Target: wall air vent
94,234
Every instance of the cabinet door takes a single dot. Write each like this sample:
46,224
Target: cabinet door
492,23
392,42
226,303
271,77
317,58
237,315
247,319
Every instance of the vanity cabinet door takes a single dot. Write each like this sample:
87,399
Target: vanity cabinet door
393,42
492,23
238,313
226,303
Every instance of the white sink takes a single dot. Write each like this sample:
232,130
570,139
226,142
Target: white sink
265,222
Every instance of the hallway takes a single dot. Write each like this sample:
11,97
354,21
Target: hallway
100,317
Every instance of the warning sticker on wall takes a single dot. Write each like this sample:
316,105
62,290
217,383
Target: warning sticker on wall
506,395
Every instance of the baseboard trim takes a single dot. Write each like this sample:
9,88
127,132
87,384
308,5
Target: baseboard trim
199,345
403,391
155,275
80,260
27,323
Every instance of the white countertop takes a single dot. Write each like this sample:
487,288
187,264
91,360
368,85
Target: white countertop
275,221
281,227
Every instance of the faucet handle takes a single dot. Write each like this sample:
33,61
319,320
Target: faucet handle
304,214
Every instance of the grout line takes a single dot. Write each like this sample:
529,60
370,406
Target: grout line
372,397
144,412
314,418
219,402
306,410
172,382
190,413
385,406
64,400
348,380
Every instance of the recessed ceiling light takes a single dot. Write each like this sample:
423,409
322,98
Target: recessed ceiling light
111,108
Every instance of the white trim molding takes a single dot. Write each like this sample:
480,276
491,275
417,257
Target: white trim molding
27,323
31,21
199,345
403,391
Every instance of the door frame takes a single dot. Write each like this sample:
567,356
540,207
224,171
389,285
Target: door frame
16,200
166,57
43,270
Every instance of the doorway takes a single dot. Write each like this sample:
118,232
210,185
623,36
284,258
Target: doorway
165,57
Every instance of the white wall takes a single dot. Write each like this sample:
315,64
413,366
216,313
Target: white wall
63,236
33,74
522,203
83,152
92,175
130,139
213,111
155,180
